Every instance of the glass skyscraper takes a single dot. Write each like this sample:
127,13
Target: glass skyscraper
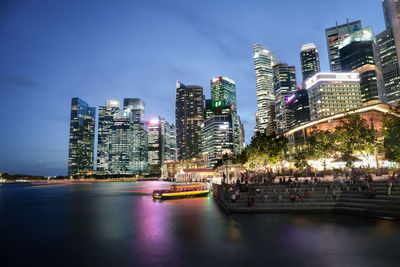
107,114
285,84
359,53
309,58
81,137
189,112
264,60
161,144
122,138
389,48
334,36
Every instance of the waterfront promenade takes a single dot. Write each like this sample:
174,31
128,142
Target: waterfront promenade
360,198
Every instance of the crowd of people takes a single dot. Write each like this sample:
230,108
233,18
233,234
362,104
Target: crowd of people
299,188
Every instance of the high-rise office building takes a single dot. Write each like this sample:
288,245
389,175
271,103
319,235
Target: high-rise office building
389,48
120,144
223,96
285,84
299,107
223,89
122,138
390,66
189,112
359,53
81,137
217,137
309,59
106,121
332,93
334,36
264,60
391,11
139,156
161,144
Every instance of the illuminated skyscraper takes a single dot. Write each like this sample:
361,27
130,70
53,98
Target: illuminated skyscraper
264,60
359,53
81,137
189,112
285,84
334,36
391,11
389,48
161,144
309,58
223,96
122,138
106,121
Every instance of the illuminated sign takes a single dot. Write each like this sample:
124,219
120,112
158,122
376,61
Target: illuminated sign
154,122
216,80
332,77
217,104
290,98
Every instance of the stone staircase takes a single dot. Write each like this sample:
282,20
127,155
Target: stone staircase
276,199
355,201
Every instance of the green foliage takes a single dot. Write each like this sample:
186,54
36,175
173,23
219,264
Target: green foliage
354,135
264,150
391,133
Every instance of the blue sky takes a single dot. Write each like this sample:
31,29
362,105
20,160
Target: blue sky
51,51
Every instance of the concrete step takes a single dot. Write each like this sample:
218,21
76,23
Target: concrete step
369,206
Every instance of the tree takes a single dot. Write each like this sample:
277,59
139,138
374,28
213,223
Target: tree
354,135
391,134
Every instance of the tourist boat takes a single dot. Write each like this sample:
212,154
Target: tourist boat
176,191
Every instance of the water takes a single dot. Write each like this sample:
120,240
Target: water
118,224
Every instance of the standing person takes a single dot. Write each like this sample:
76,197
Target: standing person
223,178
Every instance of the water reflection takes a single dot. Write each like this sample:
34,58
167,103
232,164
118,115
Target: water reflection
114,224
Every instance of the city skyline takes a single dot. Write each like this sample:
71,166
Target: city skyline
47,154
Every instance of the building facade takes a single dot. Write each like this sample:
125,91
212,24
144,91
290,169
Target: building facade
217,138
359,53
81,137
334,36
189,112
264,60
389,49
390,65
309,59
332,93
285,84
299,107
106,121
161,144
122,138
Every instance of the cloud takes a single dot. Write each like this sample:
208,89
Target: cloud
18,82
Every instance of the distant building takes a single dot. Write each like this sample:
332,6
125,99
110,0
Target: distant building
81,137
139,160
299,106
189,112
161,144
309,59
285,84
106,121
122,138
217,137
334,36
264,60
333,93
175,167
359,53
223,96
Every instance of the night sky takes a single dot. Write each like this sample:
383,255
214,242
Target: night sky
51,51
